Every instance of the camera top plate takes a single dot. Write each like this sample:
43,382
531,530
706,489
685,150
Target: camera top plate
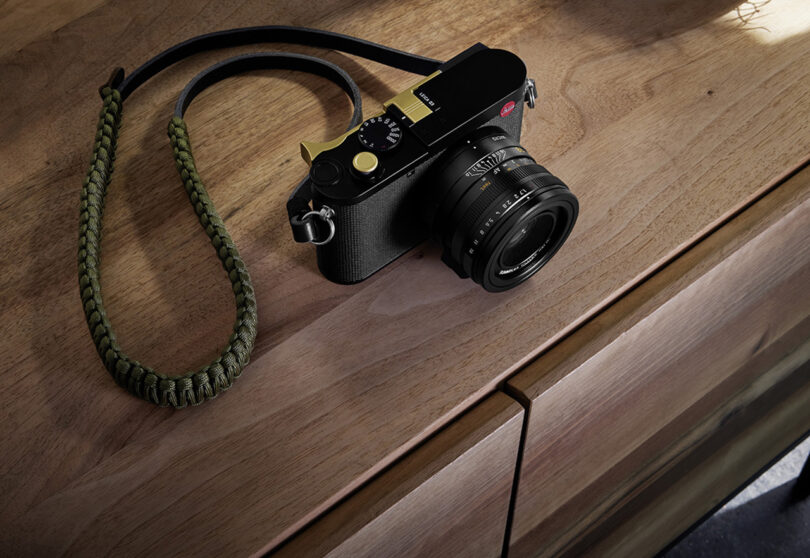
465,92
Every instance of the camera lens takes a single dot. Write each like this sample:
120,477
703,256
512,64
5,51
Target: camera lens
498,214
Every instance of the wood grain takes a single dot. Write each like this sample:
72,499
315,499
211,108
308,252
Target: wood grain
662,121
23,21
751,434
641,389
449,497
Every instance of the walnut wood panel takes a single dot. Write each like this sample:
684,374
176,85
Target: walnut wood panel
23,21
662,121
658,379
755,429
449,497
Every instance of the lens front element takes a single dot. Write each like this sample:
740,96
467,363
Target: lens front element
523,246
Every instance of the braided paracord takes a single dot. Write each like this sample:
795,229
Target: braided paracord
193,387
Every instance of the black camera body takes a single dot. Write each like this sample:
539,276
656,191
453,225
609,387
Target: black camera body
378,181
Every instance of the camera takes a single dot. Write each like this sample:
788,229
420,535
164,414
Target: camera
444,160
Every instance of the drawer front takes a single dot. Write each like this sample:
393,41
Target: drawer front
661,394
449,497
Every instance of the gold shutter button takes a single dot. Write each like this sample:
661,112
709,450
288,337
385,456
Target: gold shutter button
365,162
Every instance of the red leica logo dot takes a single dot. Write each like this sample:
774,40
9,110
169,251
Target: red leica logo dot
507,108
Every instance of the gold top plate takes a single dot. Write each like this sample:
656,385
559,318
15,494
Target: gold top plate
411,105
406,101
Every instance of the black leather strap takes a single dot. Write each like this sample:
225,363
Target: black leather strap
270,61
305,228
275,34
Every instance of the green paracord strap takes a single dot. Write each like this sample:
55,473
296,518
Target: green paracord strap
192,387
195,387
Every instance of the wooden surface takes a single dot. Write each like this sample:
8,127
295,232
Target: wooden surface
753,433
637,391
662,121
449,497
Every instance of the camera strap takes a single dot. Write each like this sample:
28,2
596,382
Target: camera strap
306,225
194,387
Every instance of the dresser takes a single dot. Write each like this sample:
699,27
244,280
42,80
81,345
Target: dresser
656,363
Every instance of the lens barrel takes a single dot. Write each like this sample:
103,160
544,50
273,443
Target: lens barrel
498,214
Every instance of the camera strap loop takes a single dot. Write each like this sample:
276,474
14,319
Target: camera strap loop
530,95
194,387
325,215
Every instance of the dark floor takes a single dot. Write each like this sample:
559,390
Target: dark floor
761,521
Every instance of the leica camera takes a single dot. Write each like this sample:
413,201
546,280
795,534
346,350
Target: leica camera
444,160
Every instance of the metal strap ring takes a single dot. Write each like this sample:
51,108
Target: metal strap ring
531,92
326,213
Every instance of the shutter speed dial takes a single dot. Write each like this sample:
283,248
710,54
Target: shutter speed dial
380,133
